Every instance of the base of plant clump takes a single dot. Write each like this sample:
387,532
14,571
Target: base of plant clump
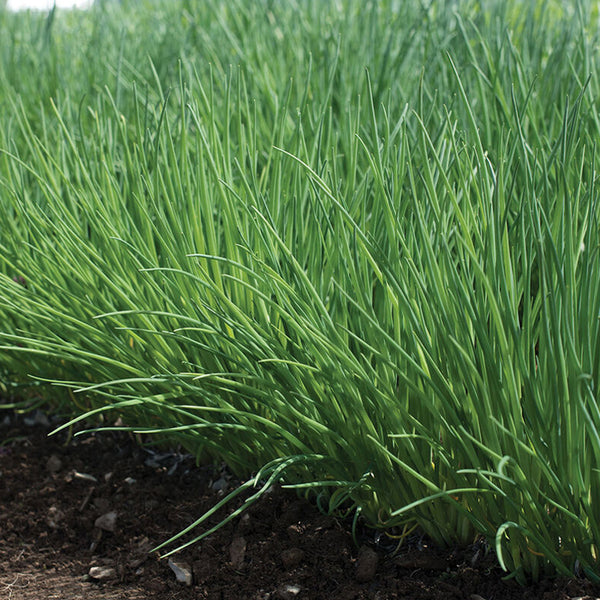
81,518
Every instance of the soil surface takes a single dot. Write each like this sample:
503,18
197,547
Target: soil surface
79,519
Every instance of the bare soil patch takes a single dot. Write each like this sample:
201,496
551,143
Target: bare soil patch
78,520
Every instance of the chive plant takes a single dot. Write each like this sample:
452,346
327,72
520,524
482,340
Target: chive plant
348,247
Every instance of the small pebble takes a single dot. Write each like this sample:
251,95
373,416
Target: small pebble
220,485
102,573
287,592
84,476
107,521
182,571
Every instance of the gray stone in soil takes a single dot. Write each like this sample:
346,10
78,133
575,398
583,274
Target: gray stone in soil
287,592
220,485
102,573
183,571
107,521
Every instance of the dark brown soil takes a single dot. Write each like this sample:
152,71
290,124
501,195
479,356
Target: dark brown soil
52,493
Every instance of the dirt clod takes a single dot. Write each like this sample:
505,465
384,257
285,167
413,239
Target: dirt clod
237,552
292,557
54,464
366,565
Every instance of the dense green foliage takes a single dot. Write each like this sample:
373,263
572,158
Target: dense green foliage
350,246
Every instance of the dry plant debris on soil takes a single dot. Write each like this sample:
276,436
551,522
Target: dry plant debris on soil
79,517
